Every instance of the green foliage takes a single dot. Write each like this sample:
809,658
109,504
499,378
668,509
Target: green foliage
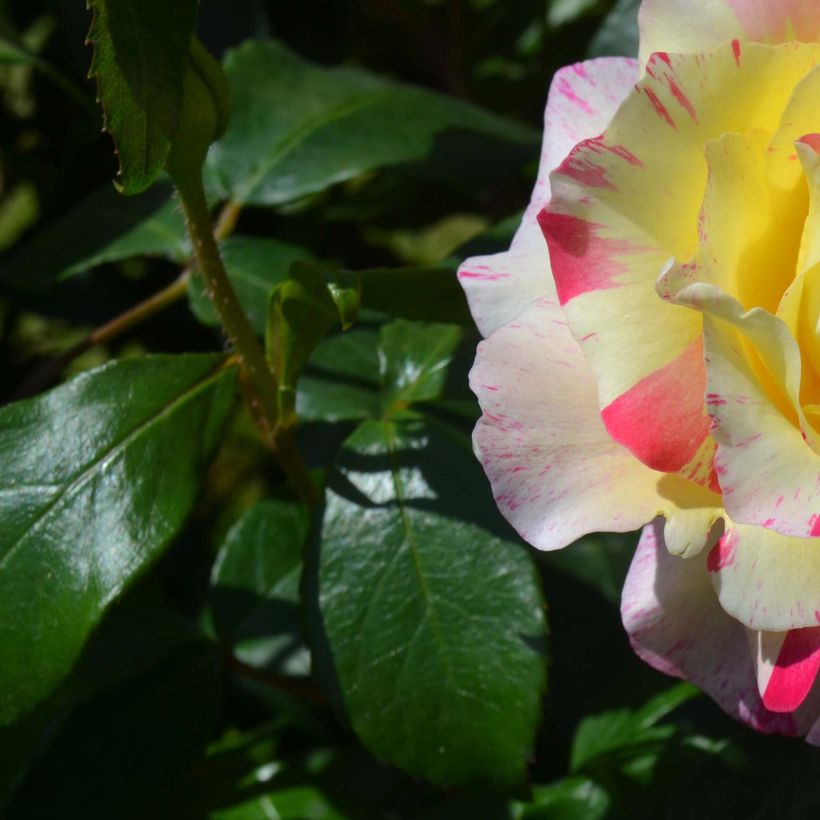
626,731
103,228
255,587
91,492
432,621
301,311
297,129
140,59
255,266
415,361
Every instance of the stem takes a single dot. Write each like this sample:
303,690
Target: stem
227,219
49,372
219,289
257,378
44,376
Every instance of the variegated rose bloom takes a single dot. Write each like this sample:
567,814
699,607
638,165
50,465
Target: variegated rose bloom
652,344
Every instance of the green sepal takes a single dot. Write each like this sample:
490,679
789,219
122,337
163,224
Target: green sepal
206,109
301,311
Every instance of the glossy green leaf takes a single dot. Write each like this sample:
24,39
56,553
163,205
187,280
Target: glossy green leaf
415,360
341,380
255,587
622,729
297,128
434,624
574,798
346,292
96,478
255,267
295,803
104,227
140,57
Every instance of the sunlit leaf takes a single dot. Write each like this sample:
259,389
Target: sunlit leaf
297,128
435,625
96,478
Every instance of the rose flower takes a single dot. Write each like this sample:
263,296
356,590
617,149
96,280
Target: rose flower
652,344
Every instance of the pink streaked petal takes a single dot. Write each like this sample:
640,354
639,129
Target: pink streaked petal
689,26
583,259
765,580
676,624
778,22
555,472
788,663
673,394
619,212
582,101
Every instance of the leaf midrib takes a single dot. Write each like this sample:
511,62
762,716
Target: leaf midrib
298,135
112,452
431,612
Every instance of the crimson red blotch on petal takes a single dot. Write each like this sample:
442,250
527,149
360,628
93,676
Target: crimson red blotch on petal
581,259
795,670
722,555
662,419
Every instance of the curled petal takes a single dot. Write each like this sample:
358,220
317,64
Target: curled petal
582,101
556,473
675,623
787,666
767,460
766,580
620,210
699,25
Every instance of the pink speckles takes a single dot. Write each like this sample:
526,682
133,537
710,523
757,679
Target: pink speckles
715,400
795,670
487,277
660,108
737,51
584,166
566,90
682,99
599,145
814,524
722,555
580,167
